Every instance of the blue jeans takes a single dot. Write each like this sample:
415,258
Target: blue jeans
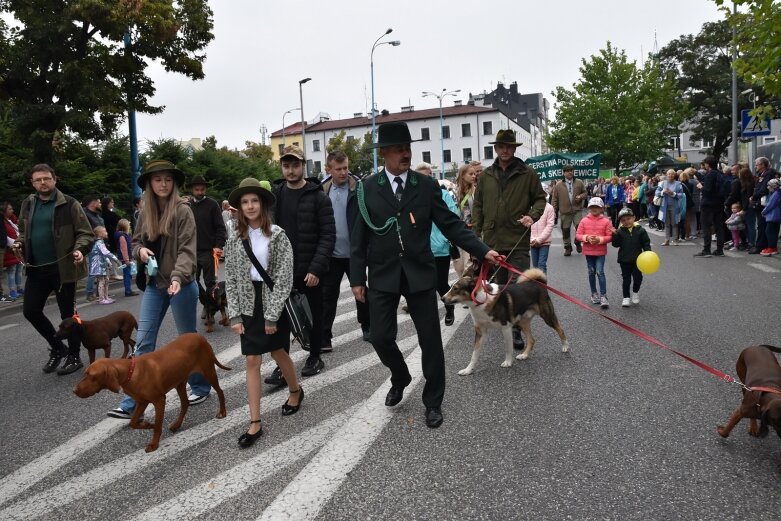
13,275
540,257
127,279
90,289
596,268
751,226
154,305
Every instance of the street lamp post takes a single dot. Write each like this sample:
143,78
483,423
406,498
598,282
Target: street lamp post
440,97
303,123
394,43
283,124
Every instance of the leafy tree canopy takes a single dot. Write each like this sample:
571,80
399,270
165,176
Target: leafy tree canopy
758,42
358,152
64,67
625,112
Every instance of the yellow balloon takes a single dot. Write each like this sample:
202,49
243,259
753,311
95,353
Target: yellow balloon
648,262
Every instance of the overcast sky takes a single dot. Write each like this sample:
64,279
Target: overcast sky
261,49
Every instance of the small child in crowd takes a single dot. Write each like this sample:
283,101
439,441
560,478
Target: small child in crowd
540,238
595,231
735,224
631,239
99,260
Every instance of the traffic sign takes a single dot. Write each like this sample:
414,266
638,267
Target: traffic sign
752,126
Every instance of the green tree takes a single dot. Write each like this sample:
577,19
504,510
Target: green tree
625,112
358,152
64,66
258,151
702,67
758,42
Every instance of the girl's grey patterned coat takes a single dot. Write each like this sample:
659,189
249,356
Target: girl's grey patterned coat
239,288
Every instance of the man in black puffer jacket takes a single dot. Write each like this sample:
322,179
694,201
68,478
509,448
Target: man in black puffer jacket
304,211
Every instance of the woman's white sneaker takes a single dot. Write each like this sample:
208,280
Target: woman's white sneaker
626,303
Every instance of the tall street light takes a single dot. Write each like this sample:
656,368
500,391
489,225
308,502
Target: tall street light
394,43
440,97
283,124
303,124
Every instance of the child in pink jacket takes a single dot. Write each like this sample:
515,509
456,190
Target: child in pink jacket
595,231
540,238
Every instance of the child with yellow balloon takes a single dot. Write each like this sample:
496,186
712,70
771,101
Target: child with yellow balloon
634,255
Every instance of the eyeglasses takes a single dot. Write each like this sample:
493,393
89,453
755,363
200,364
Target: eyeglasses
43,180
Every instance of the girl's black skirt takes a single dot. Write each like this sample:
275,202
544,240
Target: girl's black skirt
255,341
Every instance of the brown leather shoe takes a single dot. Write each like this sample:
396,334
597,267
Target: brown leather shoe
568,252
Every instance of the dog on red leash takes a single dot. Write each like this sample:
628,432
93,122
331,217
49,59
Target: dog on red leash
98,333
147,379
758,367
496,309
213,301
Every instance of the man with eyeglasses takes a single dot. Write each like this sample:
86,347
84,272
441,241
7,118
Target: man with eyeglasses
54,239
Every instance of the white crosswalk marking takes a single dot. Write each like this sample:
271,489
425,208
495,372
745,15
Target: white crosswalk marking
764,267
7,326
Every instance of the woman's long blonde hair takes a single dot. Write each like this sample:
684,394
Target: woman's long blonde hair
158,221
462,188
242,228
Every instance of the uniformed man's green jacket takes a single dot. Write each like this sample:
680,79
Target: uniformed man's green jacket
421,205
497,209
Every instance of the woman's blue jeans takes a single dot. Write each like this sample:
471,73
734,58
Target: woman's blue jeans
596,268
540,257
154,305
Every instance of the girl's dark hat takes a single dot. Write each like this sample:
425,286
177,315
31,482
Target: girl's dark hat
251,185
505,137
198,180
389,134
159,165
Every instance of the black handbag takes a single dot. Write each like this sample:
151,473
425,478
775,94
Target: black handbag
299,314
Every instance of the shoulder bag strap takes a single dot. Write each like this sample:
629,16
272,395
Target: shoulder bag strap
257,265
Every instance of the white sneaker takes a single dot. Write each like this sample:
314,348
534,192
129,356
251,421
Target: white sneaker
635,298
195,399
625,303
595,298
603,302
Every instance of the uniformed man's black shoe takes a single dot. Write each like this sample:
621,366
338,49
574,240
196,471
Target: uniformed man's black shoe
55,357
518,342
450,316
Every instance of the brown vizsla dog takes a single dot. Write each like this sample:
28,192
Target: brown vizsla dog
758,367
147,378
98,333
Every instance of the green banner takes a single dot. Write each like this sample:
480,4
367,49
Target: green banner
549,166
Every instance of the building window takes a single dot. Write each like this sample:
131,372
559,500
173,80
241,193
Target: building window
488,152
488,128
318,167
424,135
445,158
466,130
316,145
446,132
350,139
427,157
675,143
707,143
281,147
467,155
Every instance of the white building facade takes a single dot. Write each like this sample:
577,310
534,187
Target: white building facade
467,131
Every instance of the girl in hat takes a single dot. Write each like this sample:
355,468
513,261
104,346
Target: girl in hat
255,310
595,231
165,232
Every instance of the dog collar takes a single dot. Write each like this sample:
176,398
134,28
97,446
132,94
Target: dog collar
130,371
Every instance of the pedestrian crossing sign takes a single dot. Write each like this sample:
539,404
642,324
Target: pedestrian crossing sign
752,126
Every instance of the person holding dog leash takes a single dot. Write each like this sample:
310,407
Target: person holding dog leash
165,238
508,200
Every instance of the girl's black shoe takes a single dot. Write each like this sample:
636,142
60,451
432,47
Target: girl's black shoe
288,409
247,440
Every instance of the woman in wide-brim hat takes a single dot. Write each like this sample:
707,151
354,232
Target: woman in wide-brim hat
256,312
166,232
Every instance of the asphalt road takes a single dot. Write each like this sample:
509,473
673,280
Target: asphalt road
615,429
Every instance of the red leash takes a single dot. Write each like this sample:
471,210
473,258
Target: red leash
724,376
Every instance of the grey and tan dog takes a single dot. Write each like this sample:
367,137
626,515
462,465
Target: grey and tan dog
513,307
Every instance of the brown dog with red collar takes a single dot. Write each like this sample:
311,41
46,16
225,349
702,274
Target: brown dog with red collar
759,370
147,379
98,333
